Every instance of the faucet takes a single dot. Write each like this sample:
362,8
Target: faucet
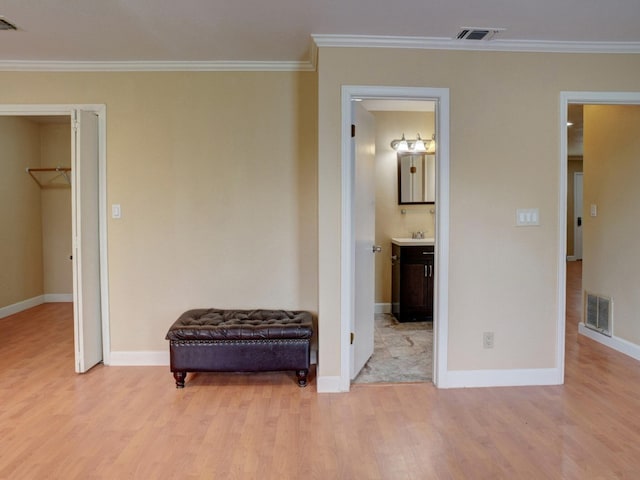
417,235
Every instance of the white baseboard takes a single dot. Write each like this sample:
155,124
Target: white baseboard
571,258
616,343
382,308
145,358
20,306
34,302
58,297
326,384
501,378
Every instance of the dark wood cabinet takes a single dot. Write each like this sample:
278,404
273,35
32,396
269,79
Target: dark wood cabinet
412,275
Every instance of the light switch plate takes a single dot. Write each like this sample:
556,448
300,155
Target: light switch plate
594,210
116,211
527,217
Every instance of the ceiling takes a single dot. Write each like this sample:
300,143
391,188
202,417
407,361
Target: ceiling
280,31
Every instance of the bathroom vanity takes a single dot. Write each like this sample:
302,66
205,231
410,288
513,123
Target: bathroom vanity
412,277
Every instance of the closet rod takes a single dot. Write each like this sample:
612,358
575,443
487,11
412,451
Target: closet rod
61,170
50,169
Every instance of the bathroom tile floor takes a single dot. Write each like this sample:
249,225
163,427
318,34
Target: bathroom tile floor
403,352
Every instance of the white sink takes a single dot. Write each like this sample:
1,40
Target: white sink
409,242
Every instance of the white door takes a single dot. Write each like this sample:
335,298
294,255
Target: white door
364,219
577,215
86,254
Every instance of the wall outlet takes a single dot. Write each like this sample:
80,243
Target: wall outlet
487,339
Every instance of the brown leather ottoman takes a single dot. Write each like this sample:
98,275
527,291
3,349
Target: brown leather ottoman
213,340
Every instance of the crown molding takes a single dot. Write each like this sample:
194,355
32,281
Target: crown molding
352,41
438,43
158,66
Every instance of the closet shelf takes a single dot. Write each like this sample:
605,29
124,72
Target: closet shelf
49,181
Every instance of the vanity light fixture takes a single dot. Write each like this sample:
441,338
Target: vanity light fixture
432,144
400,145
418,145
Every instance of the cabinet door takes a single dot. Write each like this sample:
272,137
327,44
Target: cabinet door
429,280
395,281
416,293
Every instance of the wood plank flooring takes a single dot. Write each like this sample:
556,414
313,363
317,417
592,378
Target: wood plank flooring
130,422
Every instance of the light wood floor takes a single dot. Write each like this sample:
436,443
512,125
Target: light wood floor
130,422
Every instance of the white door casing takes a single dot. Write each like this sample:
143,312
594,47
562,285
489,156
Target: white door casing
585,98
87,310
577,215
69,110
441,292
364,217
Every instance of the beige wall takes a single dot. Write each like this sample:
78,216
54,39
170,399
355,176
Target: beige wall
55,151
20,213
504,112
611,264
216,176
390,222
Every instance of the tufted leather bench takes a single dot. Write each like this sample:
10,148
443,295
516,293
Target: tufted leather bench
214,340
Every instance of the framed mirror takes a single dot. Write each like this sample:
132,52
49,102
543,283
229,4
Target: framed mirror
416,178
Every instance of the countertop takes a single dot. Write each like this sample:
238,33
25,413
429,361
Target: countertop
413,242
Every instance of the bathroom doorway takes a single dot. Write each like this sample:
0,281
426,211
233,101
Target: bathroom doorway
350,285
402,351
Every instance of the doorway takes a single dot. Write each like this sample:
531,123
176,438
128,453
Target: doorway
402,351
567,101
349,324
88,201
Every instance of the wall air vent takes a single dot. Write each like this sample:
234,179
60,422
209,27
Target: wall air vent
597,313
472,33
6,24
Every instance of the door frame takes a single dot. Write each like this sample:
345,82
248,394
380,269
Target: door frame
577,242
584,98
347,264
26,110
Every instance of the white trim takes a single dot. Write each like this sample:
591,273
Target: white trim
327,384
571,258
619,344
382,308
157,358
565,99
157,66
577,244
68,110
443,43
101,111
500,378
561,274
322,40
58,297
21,306
441,302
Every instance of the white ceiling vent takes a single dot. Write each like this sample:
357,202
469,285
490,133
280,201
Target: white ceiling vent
6,24
473,33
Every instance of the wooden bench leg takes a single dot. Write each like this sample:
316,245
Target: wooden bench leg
180,378
302,377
